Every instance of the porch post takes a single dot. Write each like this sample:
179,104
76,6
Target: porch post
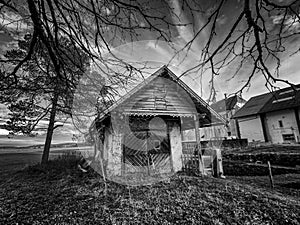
198,144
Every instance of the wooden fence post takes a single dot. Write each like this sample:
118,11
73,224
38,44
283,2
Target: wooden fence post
270,175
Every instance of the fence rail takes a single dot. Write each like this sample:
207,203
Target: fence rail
191,158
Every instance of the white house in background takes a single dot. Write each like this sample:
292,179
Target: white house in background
226,107
271,117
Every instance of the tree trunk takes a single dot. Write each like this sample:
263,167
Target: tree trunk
50,130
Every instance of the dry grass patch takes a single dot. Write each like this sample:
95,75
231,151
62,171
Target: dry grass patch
61,194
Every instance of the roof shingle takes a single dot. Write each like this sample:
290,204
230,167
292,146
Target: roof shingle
282,99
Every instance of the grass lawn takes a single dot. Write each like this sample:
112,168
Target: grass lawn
274,148
17,161
61,194
278,155
287,184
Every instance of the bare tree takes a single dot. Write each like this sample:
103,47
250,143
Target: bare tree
39,93
92,28
256,37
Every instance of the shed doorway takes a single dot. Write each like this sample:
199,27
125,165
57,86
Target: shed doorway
147,151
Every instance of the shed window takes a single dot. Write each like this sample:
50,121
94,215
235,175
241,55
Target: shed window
280,123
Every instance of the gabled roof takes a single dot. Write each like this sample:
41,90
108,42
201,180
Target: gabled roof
286,98
166,73
278,100
227,104
253,106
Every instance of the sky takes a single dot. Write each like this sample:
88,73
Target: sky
159,52
148,49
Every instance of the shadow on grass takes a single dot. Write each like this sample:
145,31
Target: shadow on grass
293,185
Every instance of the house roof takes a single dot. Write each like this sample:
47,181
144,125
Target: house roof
286,98
278,100
227,104
165,72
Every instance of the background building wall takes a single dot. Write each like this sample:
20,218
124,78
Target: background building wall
281,123
213,132
250,128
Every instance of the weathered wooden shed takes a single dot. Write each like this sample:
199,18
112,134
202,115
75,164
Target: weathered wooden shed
142,131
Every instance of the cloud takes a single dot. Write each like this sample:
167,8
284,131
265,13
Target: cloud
179,17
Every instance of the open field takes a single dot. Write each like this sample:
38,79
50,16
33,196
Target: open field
14,159
17,161
19,141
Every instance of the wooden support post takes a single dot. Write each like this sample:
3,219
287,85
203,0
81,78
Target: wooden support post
270,175
147,153
238,131
99,152
169,130
198,145
123,156
123,161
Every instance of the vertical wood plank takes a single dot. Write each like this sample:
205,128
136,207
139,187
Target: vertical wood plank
169,140
198,145
270,175
147,153
123,156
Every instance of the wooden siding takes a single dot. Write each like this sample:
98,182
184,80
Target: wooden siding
160,96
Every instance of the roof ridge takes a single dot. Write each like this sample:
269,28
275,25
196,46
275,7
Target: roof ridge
133,90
